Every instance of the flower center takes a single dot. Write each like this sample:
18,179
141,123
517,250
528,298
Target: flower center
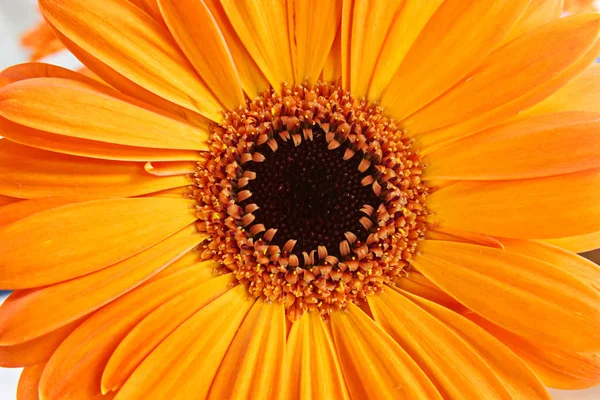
311,198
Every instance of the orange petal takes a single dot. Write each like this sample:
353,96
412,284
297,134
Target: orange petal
577,244
88,148
37,350
409,22
254,362
253,79
529,297
172,168
94,113
312,369
537,13
25,208
442,232
513,208
452,365
25,71
186,361
517,378
371,21
332,70
29,382
312,34
157,326
6,200
456,38
190,20
346,41
41,311
136,46
262,28
150,7
581,94
572,263
545,145
26,172
414,282
556,367
374,365
511,79
70,241
75,369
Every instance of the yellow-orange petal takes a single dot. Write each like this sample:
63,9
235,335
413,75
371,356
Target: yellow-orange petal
416,283
75,369
581,94
38,312
332,69
29,382
511,79
37,350
262,28
452,365
253,365
572,263
537,13
311,35
132,43
253,78
41,42
6,200
370,358
556,367
517,378
577,244
570,206
95,113
454,41
186,362
25,208
31,70
26,172
88,148
172,168
527,296
190,20
157,326
73,240
312,370
409,22
545,145
441,232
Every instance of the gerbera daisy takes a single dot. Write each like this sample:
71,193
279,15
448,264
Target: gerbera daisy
303,199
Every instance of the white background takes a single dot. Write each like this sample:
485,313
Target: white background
19,15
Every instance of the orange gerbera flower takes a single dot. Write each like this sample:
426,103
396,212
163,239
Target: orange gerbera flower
303,199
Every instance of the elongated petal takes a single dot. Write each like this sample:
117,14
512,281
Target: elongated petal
70,241
532,298
21,209
581,94
29,382
37,350
537,13
136,46
371,21
6,200
254,362
569,262
510,369
172,168
312,369
75,369
442,232
190,20
454,41
41,311
312,34
452,365
556,367
261,26
88,148
372,359
511,79
570,206
25,71
332,70
546,145
578,244
26,172
187,362
416,283
157,326
94,114
409,22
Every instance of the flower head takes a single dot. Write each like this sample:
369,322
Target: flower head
271,199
